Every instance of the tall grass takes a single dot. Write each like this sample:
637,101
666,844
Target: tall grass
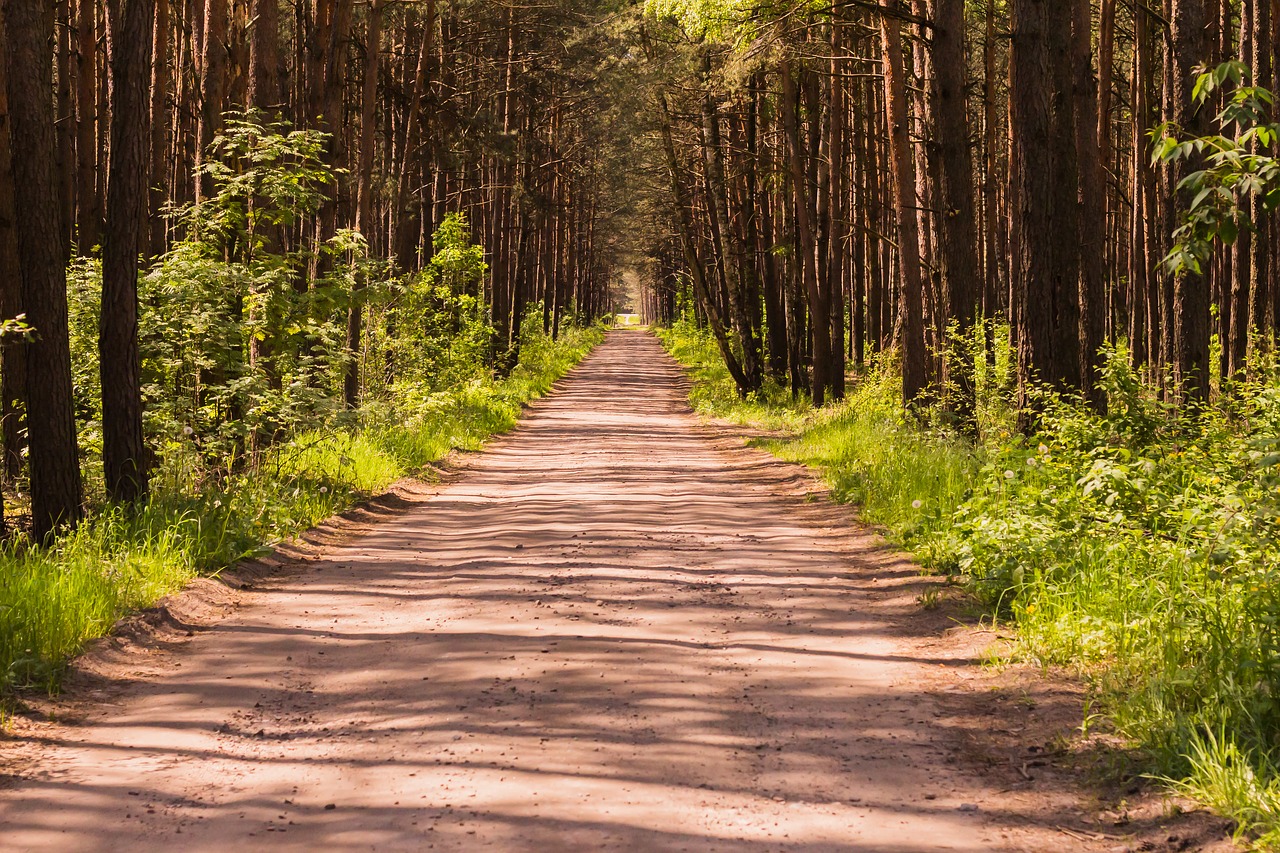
1140,547
53,600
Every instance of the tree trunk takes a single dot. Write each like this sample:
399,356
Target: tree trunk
1042,128
213,83
807,238
88,200
1092,210
1261,246
903,168
729,246
837,117
160,82
364,198
130,27
264,60
54,457
957,229
1191,43
692,262
13,352
1142,189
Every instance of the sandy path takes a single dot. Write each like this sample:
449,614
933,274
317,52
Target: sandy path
616,632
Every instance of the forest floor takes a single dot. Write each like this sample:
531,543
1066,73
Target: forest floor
617,628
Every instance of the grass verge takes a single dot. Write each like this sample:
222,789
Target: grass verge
54,600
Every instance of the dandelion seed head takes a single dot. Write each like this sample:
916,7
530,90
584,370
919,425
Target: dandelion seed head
324,490
916,504
1009,475
186,430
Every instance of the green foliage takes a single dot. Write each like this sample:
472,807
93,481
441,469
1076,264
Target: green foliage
265,177
240,340
243,345
1237,164
1140,547
720,20
429,331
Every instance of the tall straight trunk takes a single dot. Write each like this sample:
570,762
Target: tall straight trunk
213,83
806,235
875,219
684,228
1271,295
88,200
160,83
1046,183
1141,190
957,229
1111,222
1191,43
903,168
993,221
13,352
334,73
762,228
1234,309
66,123
837,116
264,58
54,456
130,26
1092,210
1262,246
364,197
861,207
730,248
407,242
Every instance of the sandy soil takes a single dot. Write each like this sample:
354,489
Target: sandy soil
617,629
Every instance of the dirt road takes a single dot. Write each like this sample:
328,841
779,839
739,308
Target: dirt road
617,631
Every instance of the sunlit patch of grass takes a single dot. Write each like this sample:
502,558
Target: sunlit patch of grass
713,392
53,600
1242,788
905,479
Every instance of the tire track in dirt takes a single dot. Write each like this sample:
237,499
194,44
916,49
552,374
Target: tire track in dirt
617,631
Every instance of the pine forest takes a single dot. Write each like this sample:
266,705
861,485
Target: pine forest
1003,274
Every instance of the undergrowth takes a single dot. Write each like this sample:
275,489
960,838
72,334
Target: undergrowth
201,520
1140,548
